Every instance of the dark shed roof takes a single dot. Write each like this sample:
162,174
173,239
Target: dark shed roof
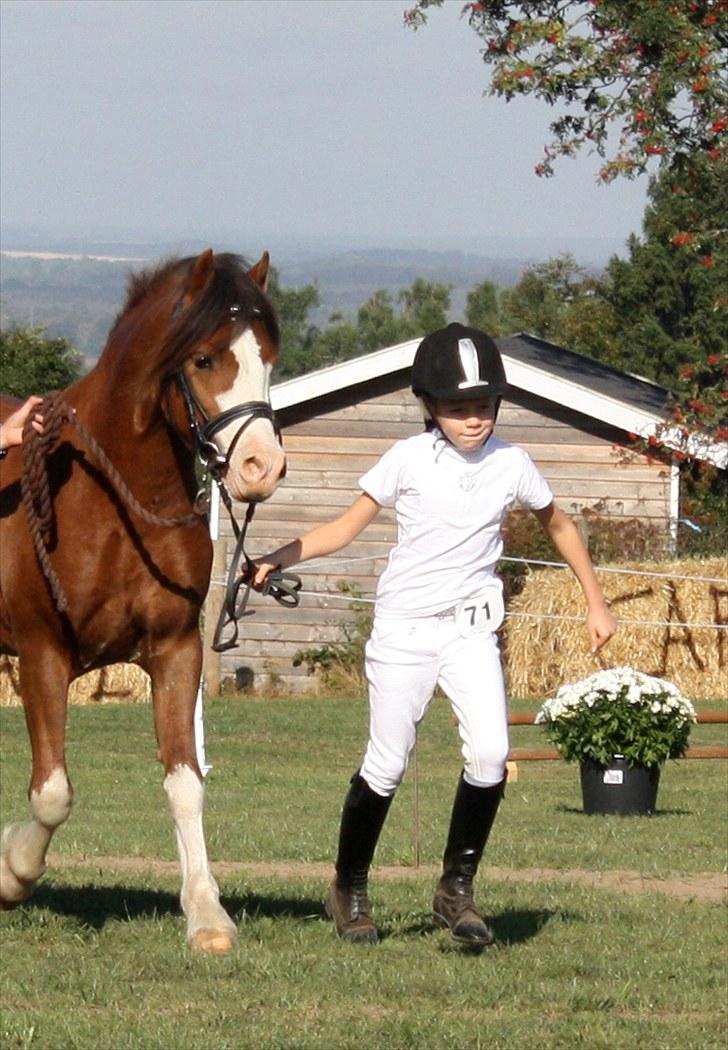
603,379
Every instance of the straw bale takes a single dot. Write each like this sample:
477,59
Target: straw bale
543,654
117,683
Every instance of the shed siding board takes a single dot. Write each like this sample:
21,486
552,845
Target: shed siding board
331,441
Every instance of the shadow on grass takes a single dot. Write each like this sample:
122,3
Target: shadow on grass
517,925
258,907
512,926
94,906
562,808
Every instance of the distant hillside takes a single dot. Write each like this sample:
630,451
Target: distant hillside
77,294
77,298
347,279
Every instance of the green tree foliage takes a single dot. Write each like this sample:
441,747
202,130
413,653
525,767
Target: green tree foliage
425,305
560,301
482,308
670,298
653,70
31,363
378,324
339,341
661,313
670,294
542,297
293,306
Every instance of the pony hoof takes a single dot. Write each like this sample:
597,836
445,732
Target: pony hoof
9,905
214,942
13,891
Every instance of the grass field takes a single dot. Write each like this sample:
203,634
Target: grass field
611,931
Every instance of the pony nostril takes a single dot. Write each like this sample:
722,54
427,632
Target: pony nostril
283,471
254,469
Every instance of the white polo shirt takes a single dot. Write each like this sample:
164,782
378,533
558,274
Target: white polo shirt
449,508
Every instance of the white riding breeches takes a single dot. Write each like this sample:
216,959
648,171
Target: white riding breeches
405,661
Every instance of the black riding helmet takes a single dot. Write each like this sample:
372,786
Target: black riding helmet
458,364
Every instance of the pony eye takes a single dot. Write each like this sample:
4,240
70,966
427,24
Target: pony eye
204,361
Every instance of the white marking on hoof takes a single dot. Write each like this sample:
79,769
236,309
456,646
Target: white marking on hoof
14,887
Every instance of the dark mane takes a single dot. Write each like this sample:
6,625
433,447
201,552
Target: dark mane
139,284
230,286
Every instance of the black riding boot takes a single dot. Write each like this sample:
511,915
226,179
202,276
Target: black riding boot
473,813
362,819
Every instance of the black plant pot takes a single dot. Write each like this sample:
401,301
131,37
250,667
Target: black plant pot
619,787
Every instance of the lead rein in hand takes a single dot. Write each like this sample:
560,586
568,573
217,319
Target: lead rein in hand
280,585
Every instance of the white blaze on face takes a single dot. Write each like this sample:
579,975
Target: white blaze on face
257,460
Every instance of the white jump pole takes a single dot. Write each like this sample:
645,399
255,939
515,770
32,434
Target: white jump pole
199,722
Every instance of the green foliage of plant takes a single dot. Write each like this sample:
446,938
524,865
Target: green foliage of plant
379,325
340,663
705,502
618,712
31,363
661,313
425,305
543,296
668,295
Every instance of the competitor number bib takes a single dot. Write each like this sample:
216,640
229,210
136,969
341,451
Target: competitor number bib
482,614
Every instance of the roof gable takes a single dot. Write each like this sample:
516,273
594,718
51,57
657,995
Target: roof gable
621,400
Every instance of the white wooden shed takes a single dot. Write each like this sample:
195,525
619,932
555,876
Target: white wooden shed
572,414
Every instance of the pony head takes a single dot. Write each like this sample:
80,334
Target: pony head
222,347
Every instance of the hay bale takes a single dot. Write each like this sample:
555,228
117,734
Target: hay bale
118,683
542,654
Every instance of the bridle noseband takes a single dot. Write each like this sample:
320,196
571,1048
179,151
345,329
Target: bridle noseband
212,458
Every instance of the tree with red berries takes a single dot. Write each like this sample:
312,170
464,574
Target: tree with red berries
634,82
644,86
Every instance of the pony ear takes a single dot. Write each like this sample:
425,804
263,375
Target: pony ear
259,272
199,277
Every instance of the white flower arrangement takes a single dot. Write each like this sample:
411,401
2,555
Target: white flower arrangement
619,711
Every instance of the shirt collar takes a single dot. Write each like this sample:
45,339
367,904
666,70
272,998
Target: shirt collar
441,445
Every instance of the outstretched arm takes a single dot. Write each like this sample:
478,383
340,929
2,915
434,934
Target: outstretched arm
601,623
324,539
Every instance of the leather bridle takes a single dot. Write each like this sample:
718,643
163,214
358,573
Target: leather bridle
283,586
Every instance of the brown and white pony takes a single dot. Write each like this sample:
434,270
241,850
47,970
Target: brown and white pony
104,558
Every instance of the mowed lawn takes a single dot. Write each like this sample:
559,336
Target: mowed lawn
587,955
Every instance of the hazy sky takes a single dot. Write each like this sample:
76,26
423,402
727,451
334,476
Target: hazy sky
278,120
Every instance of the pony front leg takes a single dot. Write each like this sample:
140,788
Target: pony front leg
209,927
175,675
23,847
